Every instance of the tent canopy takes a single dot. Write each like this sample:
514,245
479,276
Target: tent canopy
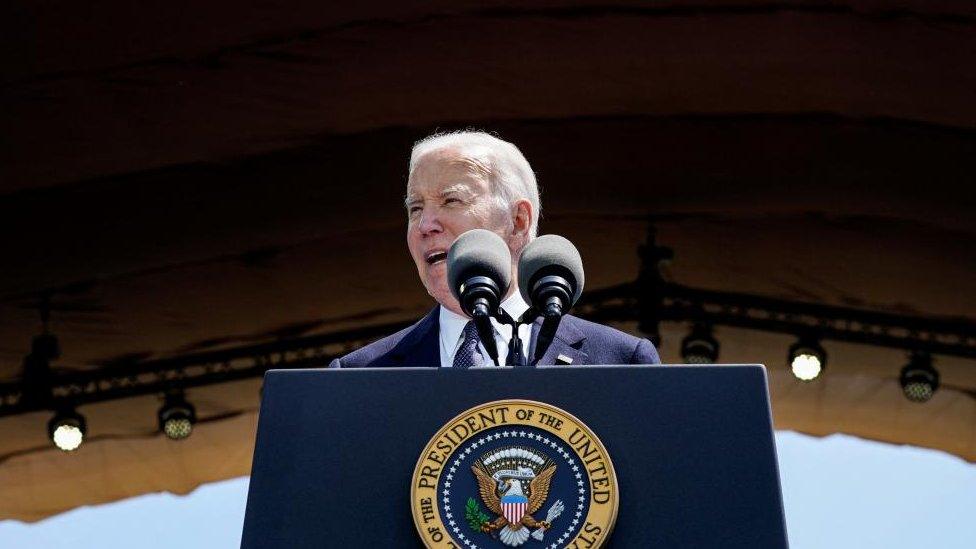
183,178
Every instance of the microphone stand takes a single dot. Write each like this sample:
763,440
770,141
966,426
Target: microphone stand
481,314
516,354
547,332
516,357
551,317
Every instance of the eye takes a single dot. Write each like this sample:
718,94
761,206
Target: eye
452,200
413,210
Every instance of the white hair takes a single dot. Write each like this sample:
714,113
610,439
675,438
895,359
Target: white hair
511,176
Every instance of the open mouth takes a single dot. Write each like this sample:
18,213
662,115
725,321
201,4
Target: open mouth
436,257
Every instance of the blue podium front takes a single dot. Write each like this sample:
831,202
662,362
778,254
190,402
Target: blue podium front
595,456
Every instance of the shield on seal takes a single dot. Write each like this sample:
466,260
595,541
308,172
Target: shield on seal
513,507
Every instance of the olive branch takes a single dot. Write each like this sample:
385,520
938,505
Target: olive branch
474,515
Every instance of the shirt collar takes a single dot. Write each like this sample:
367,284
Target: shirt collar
452,324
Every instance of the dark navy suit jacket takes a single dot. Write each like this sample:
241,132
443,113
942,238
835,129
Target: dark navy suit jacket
581,341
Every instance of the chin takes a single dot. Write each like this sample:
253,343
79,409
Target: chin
443,297
446,298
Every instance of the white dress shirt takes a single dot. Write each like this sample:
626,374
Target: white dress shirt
452,328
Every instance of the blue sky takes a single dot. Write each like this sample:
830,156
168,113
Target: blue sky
839,492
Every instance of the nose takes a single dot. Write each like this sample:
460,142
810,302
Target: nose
429,222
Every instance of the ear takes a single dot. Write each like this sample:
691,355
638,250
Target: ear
522,217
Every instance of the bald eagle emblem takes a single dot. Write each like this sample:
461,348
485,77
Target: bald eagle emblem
513,482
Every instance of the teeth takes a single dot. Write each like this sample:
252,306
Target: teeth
435,257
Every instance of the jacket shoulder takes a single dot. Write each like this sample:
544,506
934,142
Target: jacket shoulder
608,345
385,351
364,356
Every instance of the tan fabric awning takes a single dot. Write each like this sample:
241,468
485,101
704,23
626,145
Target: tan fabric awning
183,180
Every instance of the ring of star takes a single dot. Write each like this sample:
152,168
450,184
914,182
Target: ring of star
567,435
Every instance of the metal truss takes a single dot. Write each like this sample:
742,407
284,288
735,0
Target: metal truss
648,301
157,376
952,337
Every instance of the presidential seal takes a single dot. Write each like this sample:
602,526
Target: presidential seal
514,473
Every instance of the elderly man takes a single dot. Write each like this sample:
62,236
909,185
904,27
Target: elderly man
461,181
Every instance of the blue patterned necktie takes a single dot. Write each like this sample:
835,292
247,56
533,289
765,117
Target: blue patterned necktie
469,355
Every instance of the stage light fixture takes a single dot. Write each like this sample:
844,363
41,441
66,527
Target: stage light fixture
177,417
699,346
67,429
919,380
807,359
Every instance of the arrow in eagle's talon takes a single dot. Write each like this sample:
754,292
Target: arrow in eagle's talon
554,512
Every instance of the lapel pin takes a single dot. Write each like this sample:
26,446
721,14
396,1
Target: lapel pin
563,359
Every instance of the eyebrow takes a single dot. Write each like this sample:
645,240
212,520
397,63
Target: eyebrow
457,188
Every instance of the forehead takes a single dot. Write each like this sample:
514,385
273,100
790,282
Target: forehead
451,167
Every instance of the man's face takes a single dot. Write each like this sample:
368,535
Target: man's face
449,193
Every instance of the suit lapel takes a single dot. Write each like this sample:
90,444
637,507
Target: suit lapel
421,346
568,342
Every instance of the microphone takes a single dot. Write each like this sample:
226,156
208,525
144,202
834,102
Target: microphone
551,275
551,280
479,271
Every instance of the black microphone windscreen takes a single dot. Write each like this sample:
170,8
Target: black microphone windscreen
479,252
545,252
